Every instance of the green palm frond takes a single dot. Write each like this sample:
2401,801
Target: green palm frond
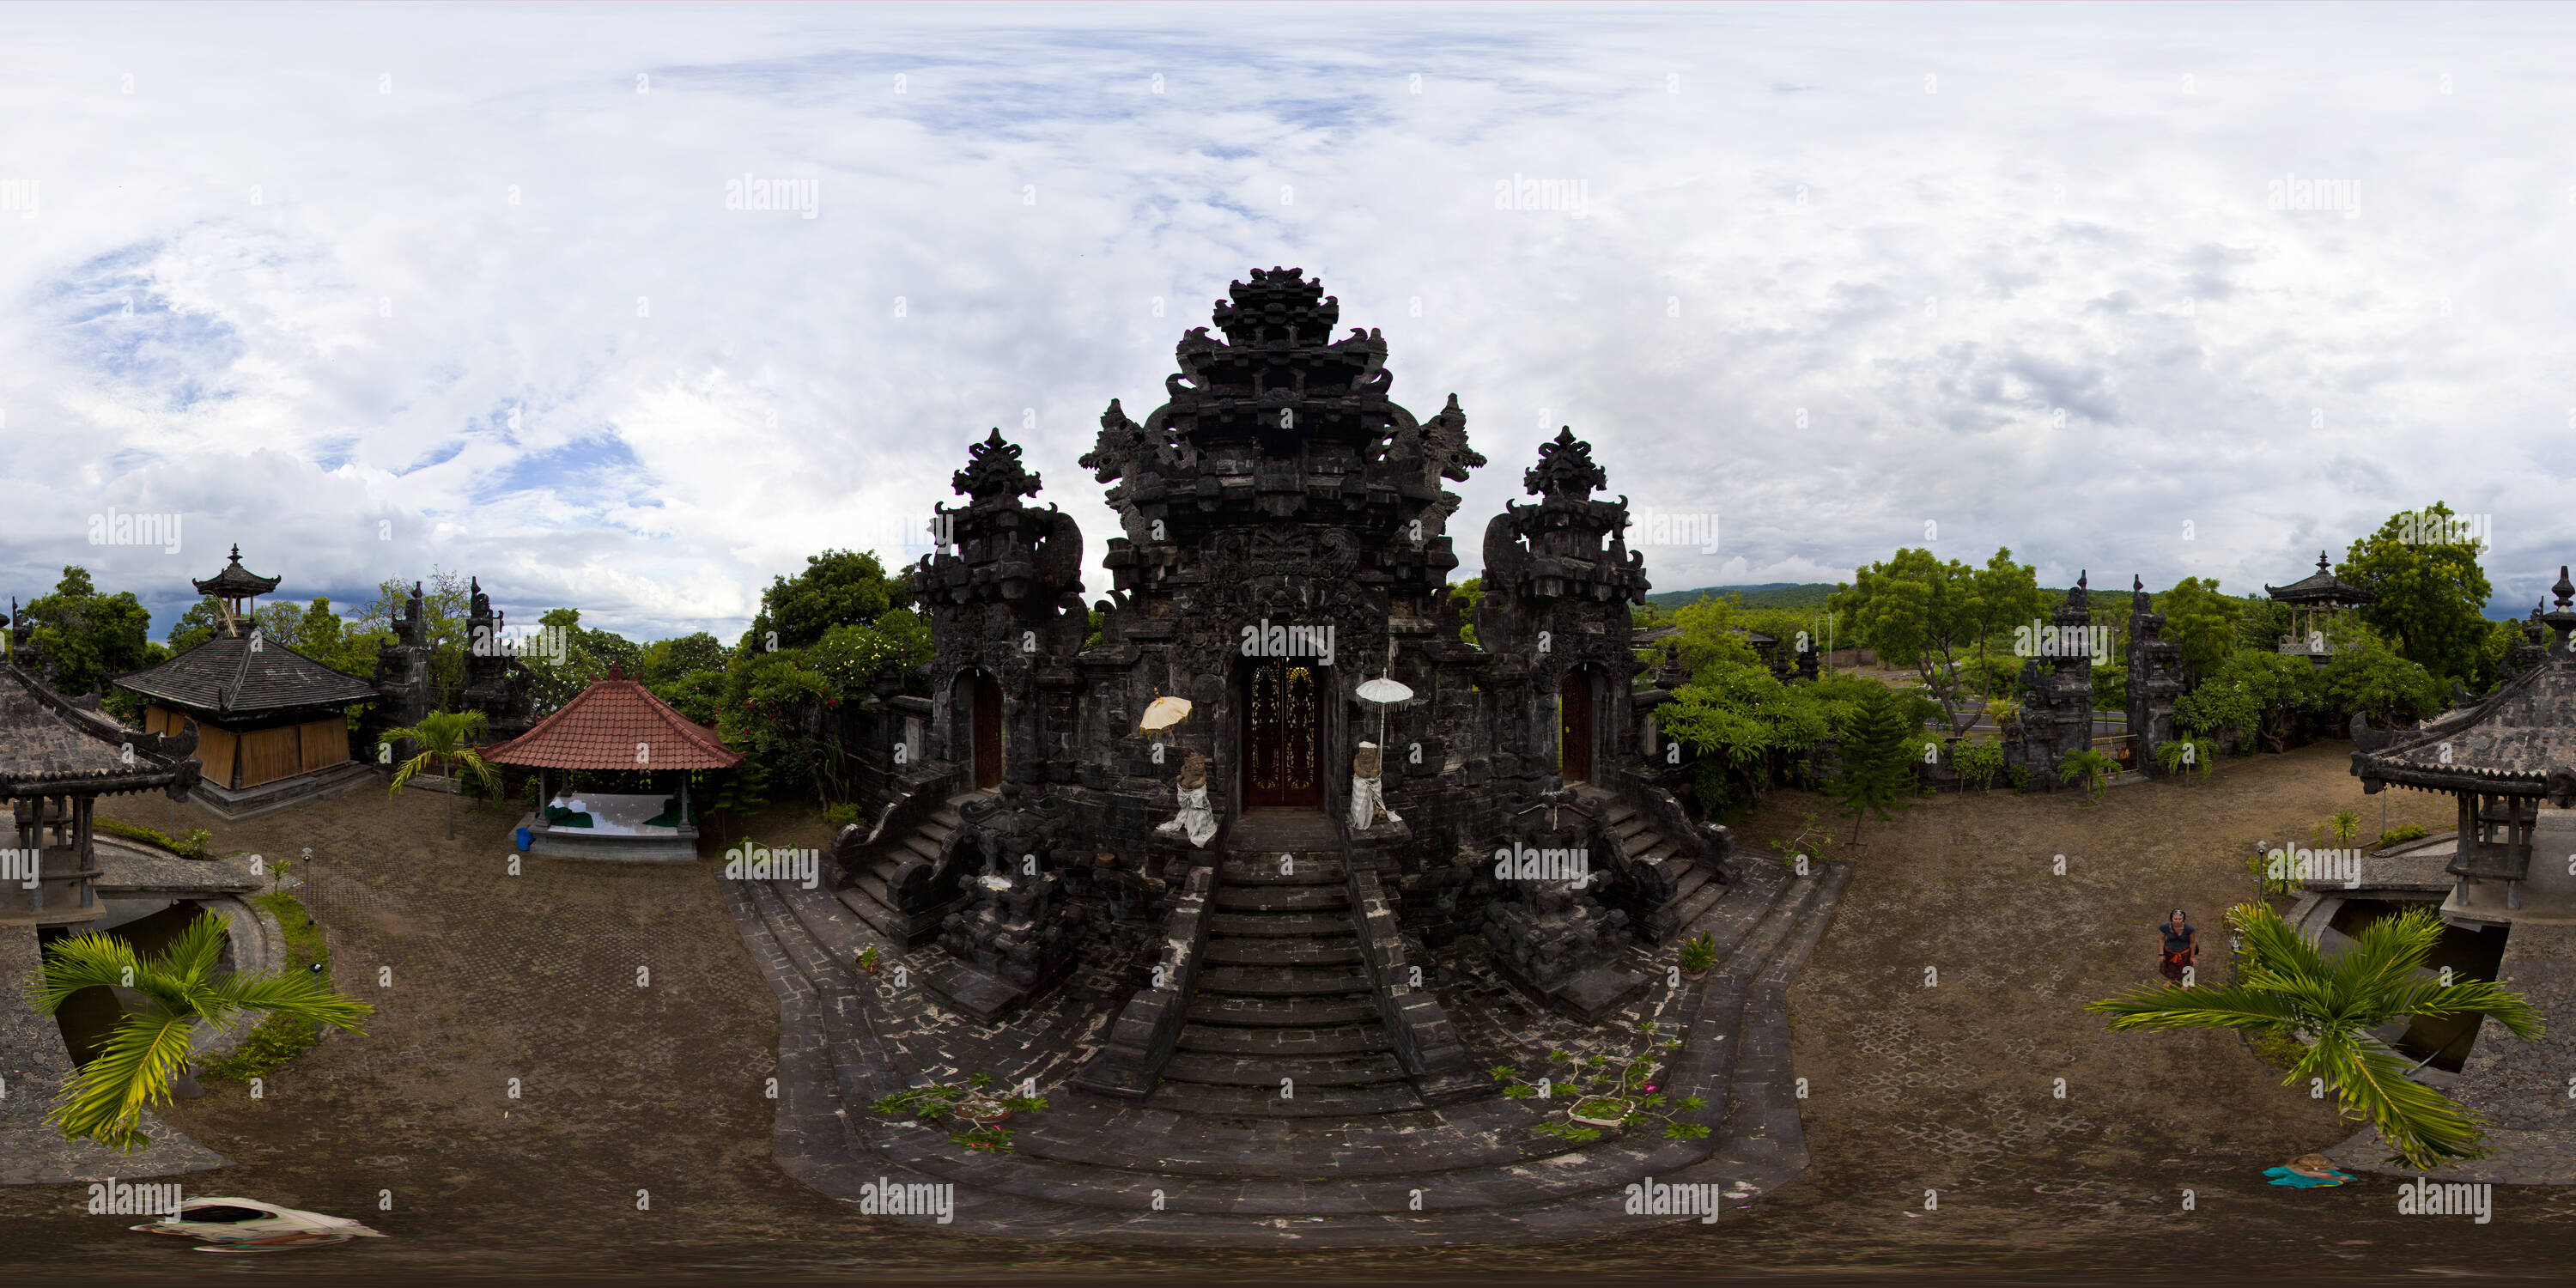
2287,985
304,997
2421,1124
2169,1006
84,961
106,1099
108,1096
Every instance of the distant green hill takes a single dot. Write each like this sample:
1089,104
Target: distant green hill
1774,594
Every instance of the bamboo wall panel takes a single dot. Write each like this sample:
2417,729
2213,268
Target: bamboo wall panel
215,747
269,755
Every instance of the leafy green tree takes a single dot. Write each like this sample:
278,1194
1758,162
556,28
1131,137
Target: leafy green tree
2256,693
665,660
2432,594
2364,676
180,992
89,638
837,588
196,626
2111,686
1743,728
446,739
1920,612
1877,747
2331,1006
2201,622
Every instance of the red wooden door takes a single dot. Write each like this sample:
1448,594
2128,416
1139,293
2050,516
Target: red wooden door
1282,715
1575,724
988,732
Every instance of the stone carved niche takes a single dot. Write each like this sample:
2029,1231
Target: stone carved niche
1545,930
1017,930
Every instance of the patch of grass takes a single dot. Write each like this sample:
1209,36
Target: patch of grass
2400,835
190,844
278,1038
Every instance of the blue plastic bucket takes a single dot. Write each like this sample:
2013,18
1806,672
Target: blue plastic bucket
524,840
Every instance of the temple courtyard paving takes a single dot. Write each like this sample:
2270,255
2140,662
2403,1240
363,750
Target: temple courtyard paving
641,1033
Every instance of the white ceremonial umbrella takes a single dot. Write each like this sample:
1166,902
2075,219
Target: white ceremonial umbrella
1385,693
1163,713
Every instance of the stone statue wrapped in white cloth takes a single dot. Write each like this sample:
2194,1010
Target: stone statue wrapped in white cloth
1196,820
1368,796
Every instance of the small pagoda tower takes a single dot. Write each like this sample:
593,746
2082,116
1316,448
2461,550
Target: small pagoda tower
2318,601
274,722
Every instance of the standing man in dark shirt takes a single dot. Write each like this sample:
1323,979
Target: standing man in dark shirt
2182,946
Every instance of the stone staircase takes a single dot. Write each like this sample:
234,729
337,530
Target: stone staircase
1142,1174
1695,888
893,874
1283,1023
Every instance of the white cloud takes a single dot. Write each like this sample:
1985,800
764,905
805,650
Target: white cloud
339,308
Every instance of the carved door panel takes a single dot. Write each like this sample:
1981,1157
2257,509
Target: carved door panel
1282,735
988,732
1575,726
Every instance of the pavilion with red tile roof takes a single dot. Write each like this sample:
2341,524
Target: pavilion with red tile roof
616,724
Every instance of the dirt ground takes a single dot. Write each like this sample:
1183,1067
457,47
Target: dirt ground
1917,1083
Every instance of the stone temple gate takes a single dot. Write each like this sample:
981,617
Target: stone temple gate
1301,918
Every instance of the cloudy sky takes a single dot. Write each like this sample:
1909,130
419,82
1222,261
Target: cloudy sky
2166,290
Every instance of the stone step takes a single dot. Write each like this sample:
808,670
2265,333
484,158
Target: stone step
1283,981
1278,925
1337,1039
1282,1012
1266,1102
1641,842
1307,951
1303,870
921,845
1212,1069
1628,827
1283,898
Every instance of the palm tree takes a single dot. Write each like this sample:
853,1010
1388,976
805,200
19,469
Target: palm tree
149,1048
2331,1007
442,736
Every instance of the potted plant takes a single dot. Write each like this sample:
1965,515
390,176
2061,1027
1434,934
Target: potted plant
868,961
1699,955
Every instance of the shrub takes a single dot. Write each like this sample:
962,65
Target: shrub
1977,760
2090,769
845,815
190,844
2019,776
2400,835
1699,953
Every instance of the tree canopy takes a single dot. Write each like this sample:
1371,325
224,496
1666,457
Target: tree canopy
2432,594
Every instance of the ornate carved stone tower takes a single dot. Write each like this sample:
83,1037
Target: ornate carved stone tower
1004,596
1285,529
2155,678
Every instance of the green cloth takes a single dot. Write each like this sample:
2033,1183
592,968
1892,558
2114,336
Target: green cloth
565,818
670,815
